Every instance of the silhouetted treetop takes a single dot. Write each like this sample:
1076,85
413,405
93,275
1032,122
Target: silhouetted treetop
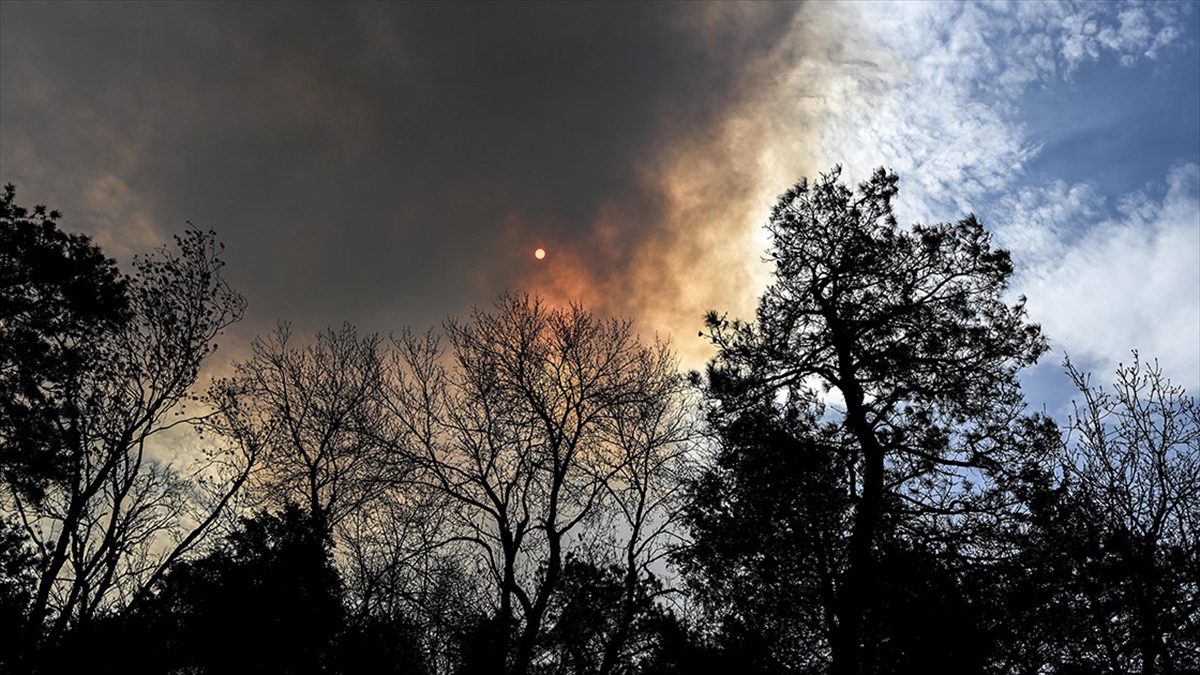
860,490
57,292
910,327
95,366
266,600
905,314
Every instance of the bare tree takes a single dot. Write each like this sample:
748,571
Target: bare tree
1136,452
315,413
318,415
644,477
516,427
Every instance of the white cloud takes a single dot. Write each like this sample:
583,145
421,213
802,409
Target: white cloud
1034,222
1128,283
926,89
932,89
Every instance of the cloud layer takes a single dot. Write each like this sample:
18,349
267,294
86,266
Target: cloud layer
383,163
1128,282
391,163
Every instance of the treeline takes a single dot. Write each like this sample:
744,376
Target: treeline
854,485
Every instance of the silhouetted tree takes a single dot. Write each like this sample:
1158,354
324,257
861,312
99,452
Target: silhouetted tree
1034,594
112,513
479,643
314,412
517,432
380,645
58,294
910,330
924,614
596,625
18,579
393,565
1098,572
267,600
651,436
1118,543
876,499
768,520
680,649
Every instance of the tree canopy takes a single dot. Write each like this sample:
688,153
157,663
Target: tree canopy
855,484
907,335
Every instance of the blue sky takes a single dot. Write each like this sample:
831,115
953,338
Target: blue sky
1118,126
1119,129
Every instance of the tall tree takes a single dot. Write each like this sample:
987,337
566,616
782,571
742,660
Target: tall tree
1134,478
908,331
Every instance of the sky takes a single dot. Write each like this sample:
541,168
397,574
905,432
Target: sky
391,164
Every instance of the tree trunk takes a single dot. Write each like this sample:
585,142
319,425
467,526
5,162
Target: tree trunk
533,619
852,593
852,596
621,634
508,588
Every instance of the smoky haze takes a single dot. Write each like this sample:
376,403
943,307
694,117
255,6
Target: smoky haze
390,164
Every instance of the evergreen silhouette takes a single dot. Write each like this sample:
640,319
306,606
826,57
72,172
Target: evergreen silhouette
911,329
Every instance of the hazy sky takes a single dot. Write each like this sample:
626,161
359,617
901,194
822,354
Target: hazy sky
390,164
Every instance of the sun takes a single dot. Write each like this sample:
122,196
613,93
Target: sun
540,253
